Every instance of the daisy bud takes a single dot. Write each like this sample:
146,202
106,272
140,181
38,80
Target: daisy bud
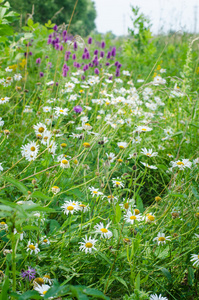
63,145
6,132
158,199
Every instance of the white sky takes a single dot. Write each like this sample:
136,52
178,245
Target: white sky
114,15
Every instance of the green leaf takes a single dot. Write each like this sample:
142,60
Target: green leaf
30,22
190,276
18,184
5,286
139,204
121,280
178,195
54,225
6,30
40,195
167,274
137,281
95,293
118,213
27,295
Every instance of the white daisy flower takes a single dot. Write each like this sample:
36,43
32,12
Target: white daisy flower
1,122
55,189
45,241
4,100
1,168
160,147
195,260
39,128
161,238
47,279
65,163
111,157
170,155
117,182
181,164
20,234
105,233
47,109
84,208
32,248
122,145
8,69
142,129
88,245
17,77
149,152
136,140
132,217
156,297
61,111
70,207
3,225
95,192
42,289
149,166
30,151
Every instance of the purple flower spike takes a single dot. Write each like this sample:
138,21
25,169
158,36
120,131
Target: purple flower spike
102,54
113,51
78,109
28,274
56,83
87,55
74,56
116,63
41,74
64,33
64,73
83,77
117,73
75,46
38,60
85,50
30,53
96,71
96,52
83,56
90,40
107,64
55,27
61,47
103,45
108,55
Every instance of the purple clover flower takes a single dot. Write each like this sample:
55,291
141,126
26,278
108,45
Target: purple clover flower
41,74
28,274
38,60
78,109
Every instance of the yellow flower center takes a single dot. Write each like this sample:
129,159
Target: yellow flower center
41,129
45,240
31,247
8,78
133,218
82,205
110,197
126,205
87,124
70,207
117,183
161,239
32,148
158,198
55,187
2,99
88,245
143,129
94,192
179,163
104,230
121,147
39,280
151,218
3,223
63,145
64,161
61,110
86,145
47,276
75,161
44,292
148,154
120,160
136,211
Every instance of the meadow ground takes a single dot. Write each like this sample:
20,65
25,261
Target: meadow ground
99,167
